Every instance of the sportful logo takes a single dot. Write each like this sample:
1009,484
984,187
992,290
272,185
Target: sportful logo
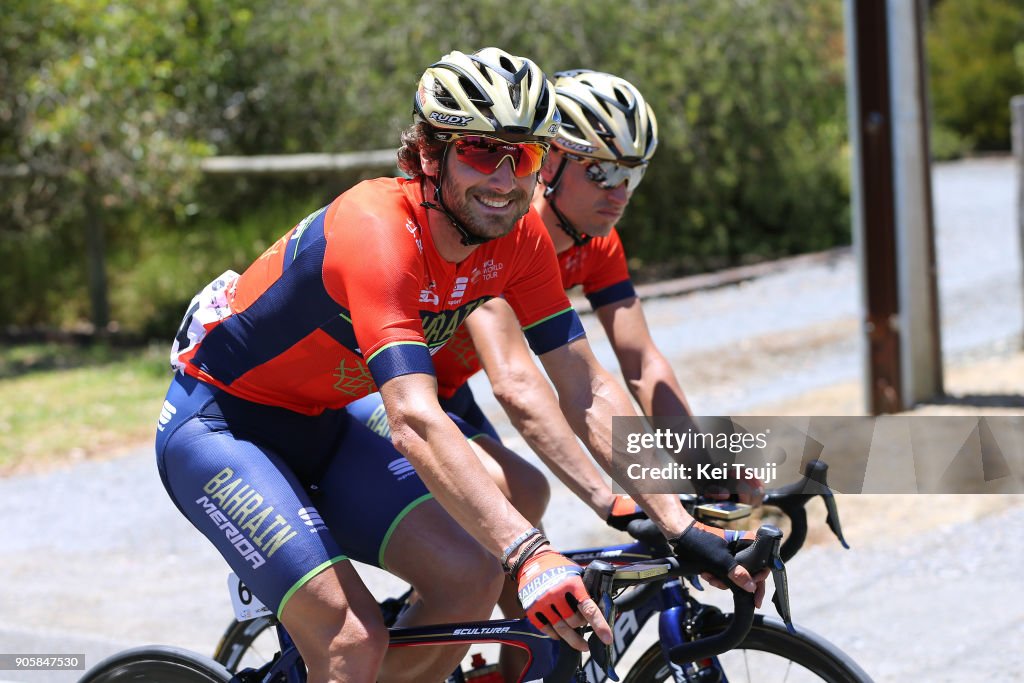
458,290
401,468
166,414
313,519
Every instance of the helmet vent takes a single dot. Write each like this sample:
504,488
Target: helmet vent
629,109
476,96
570,127
542,105
444,96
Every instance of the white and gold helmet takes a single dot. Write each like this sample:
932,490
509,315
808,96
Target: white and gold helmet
489,92
604,117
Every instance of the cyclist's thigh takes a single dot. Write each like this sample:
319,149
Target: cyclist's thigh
521,482
463,405
367,490
244,498
518,480
382,514
369,410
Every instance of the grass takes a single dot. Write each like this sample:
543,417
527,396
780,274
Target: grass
60,403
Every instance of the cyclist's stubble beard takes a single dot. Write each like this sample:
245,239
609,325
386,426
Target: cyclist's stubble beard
461,204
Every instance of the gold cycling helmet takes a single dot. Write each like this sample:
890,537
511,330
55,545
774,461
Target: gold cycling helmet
488,92
604,117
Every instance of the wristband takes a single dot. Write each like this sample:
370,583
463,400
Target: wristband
528,549
522,538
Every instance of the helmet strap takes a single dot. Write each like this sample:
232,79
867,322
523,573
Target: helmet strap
468,238
578,238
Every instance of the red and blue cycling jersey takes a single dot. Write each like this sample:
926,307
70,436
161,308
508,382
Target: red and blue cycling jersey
599,266
356,294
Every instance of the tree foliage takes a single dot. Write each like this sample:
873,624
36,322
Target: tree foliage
115,102
973,69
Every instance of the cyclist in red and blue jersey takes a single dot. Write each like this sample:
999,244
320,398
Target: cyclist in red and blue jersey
257,449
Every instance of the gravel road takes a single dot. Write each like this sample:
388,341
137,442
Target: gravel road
94,558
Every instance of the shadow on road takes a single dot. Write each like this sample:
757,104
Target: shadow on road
981,400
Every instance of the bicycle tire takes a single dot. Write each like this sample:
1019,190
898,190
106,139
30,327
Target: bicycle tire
157,664
766,651
247,644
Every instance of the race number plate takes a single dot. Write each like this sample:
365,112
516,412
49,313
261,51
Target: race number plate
247,606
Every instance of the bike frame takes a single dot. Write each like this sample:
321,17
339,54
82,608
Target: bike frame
671,602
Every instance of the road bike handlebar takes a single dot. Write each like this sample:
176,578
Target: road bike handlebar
791,500
603,580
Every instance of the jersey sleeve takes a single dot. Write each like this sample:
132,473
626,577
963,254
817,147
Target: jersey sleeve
607,280
535,291
374,267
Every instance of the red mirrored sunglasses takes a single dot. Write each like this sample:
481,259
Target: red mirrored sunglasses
485,154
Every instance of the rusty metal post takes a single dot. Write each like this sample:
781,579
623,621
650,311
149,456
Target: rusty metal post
873,197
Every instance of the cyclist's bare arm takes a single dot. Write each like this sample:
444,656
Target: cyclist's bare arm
648,374
589,397
531,405
442,457
437,449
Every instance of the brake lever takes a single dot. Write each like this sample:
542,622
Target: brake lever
598,581
781,597
766,551
832,518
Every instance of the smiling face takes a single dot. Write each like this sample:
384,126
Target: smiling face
589,207
487,205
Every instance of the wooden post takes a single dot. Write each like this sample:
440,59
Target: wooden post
96,254
1017,130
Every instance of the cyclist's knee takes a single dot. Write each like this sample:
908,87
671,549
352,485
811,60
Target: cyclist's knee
448,586
531,492
524,485
356,639
337,625
341,646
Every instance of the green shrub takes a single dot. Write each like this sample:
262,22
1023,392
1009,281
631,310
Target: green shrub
973,71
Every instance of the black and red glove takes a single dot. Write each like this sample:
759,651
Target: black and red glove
711,546
623,511
550,588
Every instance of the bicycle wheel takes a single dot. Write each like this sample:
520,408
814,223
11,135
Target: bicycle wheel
768,654
247,644
156,664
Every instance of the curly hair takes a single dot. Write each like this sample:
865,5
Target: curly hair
416,138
